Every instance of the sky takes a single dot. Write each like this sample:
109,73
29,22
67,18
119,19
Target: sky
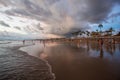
58,16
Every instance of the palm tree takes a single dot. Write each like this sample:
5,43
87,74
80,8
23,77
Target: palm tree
80,33
100,26
111,30
76,33
96,30
83,32
87,33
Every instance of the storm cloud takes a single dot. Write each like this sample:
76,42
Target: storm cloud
63,16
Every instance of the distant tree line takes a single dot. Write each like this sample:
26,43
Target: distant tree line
96,33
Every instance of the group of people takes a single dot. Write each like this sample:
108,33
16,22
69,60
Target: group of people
41,41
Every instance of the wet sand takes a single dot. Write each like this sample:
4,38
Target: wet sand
18,65
77,63
81,61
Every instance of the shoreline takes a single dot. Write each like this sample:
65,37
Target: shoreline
24,49
17,64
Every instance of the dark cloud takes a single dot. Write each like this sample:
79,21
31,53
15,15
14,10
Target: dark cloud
18,28
95,11
63,15
4,24
29,9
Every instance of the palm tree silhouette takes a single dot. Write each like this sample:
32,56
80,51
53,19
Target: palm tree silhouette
100,26
111,30
87,33
96,30
80,33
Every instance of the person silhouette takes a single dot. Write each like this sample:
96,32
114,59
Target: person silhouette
101,52
23,42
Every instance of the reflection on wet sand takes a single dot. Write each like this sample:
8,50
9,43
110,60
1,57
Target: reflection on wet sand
83,61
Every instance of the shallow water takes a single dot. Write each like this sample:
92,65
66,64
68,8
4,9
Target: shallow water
18,65
83,61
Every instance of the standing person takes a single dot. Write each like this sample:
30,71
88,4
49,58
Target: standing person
23,42
100,42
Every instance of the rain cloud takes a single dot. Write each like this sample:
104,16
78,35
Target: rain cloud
63,16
